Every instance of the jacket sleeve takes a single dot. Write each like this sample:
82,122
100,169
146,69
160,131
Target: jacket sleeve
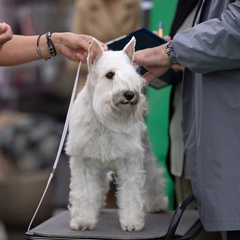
212,45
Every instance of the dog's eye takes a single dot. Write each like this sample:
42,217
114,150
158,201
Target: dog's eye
110,75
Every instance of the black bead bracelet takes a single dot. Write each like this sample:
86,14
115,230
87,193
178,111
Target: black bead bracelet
50,44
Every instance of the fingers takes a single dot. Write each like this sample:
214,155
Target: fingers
150,76
5,33
82,57
177,68
155,72
88,40
3,27
167,38
105,47
84,45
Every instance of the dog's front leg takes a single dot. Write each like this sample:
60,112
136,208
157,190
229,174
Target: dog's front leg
85,193
131,200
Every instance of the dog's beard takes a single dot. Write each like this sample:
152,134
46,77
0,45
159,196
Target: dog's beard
122,107
117,113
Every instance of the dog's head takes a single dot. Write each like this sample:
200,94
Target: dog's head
114,85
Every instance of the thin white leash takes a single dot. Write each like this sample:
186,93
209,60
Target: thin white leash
64,133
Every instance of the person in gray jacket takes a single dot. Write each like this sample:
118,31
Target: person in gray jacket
210,51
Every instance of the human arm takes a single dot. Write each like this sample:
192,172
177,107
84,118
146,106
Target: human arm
207,47
212,45
23,49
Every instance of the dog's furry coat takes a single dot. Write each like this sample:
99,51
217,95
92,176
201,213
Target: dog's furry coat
107,132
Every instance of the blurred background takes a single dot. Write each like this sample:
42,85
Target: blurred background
34,99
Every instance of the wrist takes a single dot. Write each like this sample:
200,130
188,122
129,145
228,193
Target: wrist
51,47
57,41
42,47
45,46
169,50
165,61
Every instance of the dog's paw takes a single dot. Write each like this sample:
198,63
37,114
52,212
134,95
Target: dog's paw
157,204
83,223
131,225
132,222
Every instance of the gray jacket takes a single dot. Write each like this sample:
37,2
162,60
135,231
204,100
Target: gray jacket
211,111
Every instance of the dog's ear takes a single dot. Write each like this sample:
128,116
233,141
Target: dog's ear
95,51
129,49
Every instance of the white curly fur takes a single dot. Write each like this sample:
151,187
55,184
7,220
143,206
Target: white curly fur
107,132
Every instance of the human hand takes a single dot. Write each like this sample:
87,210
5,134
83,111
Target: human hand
155,60
73,46
167,38
177,68
5,33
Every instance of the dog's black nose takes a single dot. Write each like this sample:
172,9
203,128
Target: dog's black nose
129,95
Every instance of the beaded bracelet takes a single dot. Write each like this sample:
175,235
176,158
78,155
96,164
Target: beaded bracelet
50,44
39,49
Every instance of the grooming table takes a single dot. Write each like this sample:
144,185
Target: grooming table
158,226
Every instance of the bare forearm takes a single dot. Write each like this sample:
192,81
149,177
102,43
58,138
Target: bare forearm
22,49
16,49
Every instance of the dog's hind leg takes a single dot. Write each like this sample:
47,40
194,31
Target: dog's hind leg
130,195
85,193
154,185
105,185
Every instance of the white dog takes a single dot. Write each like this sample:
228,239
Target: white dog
106,127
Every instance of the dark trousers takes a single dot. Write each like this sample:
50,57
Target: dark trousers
233,235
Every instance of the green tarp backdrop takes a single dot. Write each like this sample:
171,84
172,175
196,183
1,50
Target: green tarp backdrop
157,120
